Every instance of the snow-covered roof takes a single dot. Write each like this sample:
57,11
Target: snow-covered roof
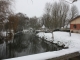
75,18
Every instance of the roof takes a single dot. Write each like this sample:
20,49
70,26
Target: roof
75,18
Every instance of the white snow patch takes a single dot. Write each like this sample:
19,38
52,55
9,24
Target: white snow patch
47,36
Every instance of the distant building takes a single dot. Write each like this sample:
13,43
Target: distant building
75,25
42,29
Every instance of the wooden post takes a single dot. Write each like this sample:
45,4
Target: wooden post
6,44
70,32
52,36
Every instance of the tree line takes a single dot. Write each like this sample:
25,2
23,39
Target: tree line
19,22
58,14
16,22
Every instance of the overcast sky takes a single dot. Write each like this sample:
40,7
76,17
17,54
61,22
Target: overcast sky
34,7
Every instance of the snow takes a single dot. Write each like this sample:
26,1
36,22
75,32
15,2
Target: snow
72,41
47,36
61,38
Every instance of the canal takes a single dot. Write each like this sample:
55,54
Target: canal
26,44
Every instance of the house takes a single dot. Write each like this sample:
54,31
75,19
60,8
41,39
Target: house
42,29
75,25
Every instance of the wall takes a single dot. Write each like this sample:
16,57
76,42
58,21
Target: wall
76,21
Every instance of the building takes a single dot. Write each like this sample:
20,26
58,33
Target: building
75,25
42,29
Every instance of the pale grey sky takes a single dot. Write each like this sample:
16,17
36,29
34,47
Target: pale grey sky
35,8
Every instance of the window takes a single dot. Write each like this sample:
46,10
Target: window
75,26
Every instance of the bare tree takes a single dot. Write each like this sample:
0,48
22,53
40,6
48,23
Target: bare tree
65,8
34,23
59,14
47,16
22,18
74,12
55,14
12,23
5,7
5,10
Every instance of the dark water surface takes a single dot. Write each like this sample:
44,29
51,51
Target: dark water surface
26,44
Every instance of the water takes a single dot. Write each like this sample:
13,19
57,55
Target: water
27,44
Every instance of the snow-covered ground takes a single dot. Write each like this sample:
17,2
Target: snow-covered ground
61,38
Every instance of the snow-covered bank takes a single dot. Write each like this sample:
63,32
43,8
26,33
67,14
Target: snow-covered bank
61,38
47,36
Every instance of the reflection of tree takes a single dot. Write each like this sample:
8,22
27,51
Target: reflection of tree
18,42
30,44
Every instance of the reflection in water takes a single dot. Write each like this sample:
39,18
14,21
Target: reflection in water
29,43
